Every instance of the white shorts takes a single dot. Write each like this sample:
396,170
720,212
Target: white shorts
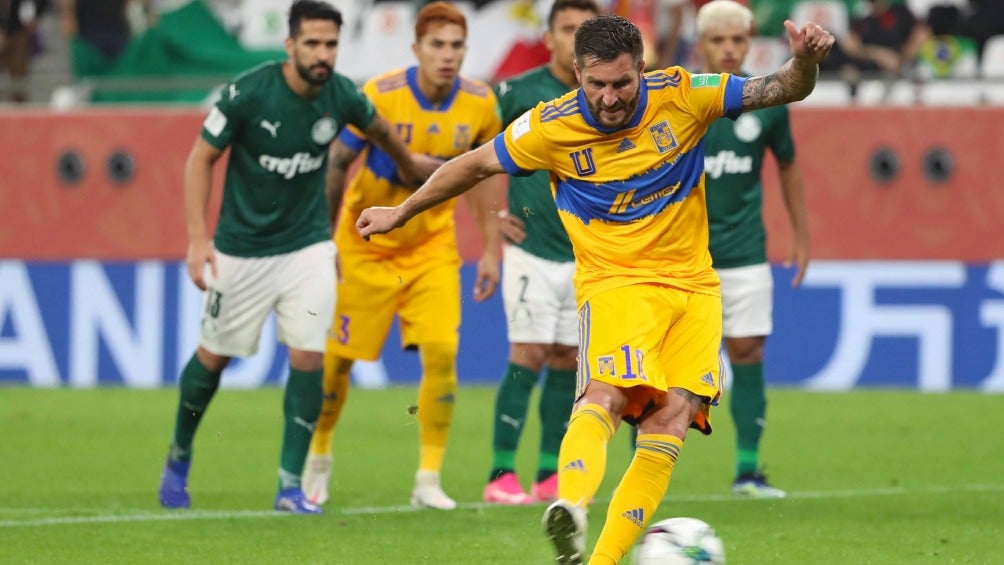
539,299
299,286
747,301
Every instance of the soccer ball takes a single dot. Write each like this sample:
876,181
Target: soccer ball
680,541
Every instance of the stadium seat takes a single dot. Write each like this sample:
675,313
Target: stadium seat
263,24
992,69
352,18
766,55
387,32
830,14
881,92
829,93
956,92
920,8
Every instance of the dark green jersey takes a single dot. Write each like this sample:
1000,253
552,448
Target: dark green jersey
273,194
733,158
530,197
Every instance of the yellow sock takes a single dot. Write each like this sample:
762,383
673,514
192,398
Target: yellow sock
436,398
637,496
582,459
337,371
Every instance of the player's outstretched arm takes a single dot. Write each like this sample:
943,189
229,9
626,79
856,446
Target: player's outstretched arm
198,186
796,78
414,168
452,179
484,201
339,160
798,216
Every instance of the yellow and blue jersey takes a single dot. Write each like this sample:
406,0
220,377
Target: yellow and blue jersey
467,118
632,199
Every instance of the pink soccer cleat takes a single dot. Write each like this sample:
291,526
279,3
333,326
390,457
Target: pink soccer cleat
507,490
546,490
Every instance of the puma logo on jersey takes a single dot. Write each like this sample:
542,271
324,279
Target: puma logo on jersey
728,163
272,128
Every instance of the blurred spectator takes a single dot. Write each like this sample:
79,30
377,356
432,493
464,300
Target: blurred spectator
886,40
769,15
677,31
643,14
673,42
18,39
986,19
946,53
99,31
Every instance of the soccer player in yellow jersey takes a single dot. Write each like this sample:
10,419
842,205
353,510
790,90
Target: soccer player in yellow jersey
627,172
413,273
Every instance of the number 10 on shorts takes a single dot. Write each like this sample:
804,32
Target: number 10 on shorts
624,364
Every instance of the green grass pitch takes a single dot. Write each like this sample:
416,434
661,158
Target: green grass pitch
873,476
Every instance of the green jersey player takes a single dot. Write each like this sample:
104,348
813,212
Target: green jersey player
734,152
537,285
272,248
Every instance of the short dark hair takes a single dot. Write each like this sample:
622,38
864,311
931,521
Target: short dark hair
562,5
606,37
311,10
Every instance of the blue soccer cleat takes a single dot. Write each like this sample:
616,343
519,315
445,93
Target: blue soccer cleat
755,485
173,491
294,501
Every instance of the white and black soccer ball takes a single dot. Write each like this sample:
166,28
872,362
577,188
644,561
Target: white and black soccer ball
680,541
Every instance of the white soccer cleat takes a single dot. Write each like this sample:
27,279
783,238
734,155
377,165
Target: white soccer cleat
316,476
428,494
565,525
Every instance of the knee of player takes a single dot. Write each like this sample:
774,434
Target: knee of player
439,361
745,350
308,361
563,357
675,416
529,355
608,397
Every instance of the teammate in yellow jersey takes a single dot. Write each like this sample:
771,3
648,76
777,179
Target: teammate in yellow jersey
626,163
413,273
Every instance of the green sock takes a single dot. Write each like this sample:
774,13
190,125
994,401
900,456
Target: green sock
511,404
301,408
556,399
748,404
197,386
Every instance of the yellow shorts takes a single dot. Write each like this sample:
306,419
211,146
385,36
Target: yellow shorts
423,290
648,338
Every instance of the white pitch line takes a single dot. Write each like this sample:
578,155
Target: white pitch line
187,515
805,495
166,516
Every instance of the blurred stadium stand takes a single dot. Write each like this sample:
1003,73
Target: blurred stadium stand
199,44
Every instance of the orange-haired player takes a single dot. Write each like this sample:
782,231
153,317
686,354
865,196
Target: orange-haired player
414,273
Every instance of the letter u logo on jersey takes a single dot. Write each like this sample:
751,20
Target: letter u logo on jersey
583,161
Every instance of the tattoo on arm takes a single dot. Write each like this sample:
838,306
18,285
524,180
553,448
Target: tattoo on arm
334,183
379,129
792,82
341,157
695,401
